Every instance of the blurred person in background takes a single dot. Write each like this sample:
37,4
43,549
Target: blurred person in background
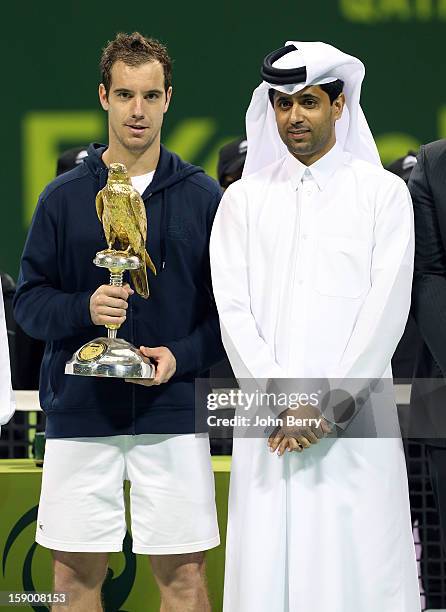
428,400
231,160
403,365
71,158
403,360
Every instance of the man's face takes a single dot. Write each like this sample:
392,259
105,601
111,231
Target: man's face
306,122
136,104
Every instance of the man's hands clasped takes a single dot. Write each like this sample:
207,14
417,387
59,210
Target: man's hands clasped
296,437
108,306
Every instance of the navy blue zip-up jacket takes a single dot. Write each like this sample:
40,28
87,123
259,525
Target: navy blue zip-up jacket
57,278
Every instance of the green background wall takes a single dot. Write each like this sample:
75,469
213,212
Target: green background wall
49,77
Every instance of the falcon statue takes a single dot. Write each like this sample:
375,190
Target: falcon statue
123,216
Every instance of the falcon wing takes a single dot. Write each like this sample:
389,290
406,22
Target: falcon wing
99,205
139,210
105,217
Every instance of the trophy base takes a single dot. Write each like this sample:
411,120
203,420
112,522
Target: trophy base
109,357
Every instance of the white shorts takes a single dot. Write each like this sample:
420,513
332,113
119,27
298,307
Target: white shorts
172,494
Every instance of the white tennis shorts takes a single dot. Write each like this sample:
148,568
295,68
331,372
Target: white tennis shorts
172,494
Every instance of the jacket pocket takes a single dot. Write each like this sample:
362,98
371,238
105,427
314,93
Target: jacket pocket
342,267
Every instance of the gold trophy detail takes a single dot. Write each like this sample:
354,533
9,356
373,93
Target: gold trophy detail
122,213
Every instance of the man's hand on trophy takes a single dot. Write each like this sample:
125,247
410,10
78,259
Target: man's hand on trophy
108,304
164,362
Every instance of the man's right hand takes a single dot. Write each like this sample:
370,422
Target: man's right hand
108,304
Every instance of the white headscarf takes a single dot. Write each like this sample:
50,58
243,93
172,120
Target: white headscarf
7,404
324,64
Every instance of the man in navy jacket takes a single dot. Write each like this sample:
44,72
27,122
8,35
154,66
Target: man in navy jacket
103,431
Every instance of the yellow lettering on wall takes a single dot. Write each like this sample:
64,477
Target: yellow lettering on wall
371,11
442,122
424,9
394,8
190,136
41,134
393,145
362,11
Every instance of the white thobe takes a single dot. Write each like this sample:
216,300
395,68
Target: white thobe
311,270
7,403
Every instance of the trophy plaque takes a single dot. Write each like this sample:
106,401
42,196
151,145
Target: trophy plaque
123,216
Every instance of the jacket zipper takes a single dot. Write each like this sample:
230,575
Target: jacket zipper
132,334
133,401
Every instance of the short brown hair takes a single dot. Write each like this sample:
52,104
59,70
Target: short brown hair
134,49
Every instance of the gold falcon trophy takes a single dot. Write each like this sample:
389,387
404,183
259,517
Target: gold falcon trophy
123,216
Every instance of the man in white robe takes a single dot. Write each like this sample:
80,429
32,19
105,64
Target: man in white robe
312,257
7,403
